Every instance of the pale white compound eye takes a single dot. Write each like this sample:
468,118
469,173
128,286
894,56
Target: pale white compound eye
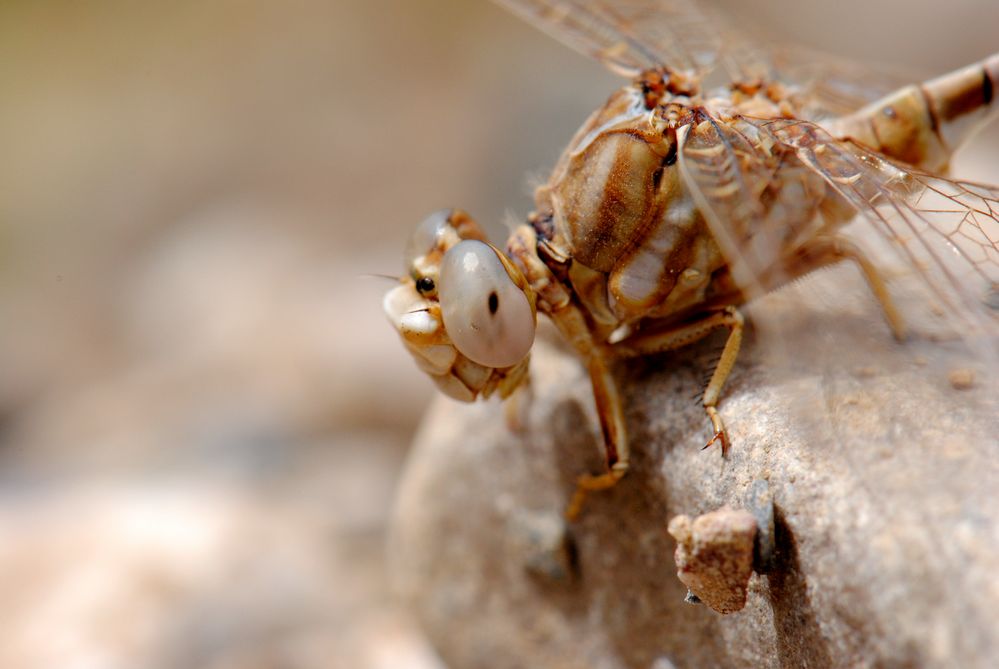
425,237
487,316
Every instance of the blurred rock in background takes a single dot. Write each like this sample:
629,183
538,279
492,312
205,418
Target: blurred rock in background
202,411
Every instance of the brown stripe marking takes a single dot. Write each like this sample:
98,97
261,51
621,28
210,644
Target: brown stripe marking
960,93
931,108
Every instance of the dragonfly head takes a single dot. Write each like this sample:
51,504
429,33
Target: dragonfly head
463,310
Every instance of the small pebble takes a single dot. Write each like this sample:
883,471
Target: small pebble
714,556
961,379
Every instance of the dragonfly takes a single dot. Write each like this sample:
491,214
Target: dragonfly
717,174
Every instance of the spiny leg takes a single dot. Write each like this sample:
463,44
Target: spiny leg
734,321
615,439
678,337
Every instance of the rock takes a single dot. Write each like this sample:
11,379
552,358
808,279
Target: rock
886,527
714,556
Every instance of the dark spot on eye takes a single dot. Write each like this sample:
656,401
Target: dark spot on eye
493,302
670,158
987,87
425,285
889,112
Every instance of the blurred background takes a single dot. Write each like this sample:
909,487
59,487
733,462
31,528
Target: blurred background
203,413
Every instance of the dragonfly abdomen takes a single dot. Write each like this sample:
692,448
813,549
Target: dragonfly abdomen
964,100
924,124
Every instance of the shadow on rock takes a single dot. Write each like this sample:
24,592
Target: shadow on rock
800,642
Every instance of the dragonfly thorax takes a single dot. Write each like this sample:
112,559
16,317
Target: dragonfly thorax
619,209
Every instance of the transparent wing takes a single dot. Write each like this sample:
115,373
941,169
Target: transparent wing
829,86
770,188
630,36
757,197
943,232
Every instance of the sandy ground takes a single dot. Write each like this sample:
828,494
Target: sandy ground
203,414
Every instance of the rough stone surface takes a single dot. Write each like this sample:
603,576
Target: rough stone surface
714,556
884,487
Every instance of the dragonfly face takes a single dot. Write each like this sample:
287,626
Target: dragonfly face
464,311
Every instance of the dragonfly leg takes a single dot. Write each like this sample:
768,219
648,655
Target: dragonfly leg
611,416
829,250
568,317
678,337
516,405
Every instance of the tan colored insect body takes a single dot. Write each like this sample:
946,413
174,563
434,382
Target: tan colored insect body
672,207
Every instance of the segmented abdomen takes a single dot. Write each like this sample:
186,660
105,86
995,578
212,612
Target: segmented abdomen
924,124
